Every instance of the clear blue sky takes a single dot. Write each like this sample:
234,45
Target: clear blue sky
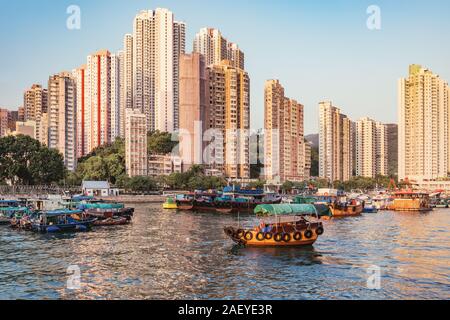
318,49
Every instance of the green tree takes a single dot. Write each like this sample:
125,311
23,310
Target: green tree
24,160
141,184
160,143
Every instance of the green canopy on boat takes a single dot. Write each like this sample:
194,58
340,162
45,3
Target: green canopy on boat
103,206
292,209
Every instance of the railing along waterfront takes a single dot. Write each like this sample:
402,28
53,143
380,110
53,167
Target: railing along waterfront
38,190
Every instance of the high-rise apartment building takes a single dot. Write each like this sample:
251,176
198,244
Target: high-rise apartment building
371,148
115,95
158,41
194,107
136,158
216,48
80,77
35,104
62,110
423,107
98,100
284,136
126,74
336,139
4,121
392,137
229,115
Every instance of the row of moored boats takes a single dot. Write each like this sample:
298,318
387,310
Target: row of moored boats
76,214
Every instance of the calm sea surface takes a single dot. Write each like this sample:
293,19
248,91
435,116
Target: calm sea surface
170,255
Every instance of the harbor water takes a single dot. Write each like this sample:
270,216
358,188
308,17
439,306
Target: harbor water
184,255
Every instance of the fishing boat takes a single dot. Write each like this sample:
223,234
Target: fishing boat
10,215
442,204
61,221
235,200
411,201
351,208
382,202
281,225
185,201
170,204
104,210
113,221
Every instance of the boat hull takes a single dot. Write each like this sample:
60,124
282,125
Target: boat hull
252,238
350,211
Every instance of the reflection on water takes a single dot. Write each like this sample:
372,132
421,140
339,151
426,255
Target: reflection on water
171,255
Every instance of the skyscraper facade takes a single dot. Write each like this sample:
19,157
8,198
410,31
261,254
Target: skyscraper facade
371,148
36,104
216,48
158,41
136,158
115,95
194,107
229,114
336,139
126,75
62,109
80,77
98,100
284,136
423,107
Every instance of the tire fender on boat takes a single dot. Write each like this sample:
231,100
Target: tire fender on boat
249,236
308,234
260,236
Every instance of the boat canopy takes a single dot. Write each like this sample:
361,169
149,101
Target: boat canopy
62,212
14,209
102,206
292,209
82,198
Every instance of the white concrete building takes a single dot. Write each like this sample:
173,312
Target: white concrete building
158,41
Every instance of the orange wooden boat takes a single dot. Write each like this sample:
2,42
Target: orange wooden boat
279,230
346,210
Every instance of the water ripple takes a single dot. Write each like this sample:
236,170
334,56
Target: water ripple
169,255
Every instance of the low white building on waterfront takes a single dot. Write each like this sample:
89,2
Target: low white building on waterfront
98,189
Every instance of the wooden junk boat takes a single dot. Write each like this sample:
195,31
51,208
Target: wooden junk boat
411,201
281,225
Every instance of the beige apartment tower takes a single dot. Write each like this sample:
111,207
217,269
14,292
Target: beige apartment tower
62,109
284,142
194,105
371,148
336,139
36,104
229,116
136,158
216,48
423,133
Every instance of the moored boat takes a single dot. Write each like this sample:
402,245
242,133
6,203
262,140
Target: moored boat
61,221
281,225
170,204
411,201
347,209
